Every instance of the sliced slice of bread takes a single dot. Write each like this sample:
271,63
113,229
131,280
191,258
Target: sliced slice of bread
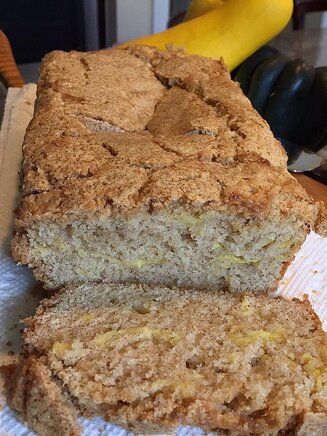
152,358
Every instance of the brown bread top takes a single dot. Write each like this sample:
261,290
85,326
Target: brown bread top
120,131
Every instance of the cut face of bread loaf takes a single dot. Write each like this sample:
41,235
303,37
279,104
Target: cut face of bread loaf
174,246
153,358
150,166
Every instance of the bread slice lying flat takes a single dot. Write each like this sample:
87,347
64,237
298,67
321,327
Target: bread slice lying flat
151,166
153,358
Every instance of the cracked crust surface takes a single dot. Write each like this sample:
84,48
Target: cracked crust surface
122,130
152,358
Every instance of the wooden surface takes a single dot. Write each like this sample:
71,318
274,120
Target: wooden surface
316,190
9,73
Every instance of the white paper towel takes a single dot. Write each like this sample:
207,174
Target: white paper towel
18,299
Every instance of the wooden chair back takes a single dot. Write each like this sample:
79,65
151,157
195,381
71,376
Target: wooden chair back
9,72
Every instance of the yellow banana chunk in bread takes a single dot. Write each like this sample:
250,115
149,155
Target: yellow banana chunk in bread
150,166
152,358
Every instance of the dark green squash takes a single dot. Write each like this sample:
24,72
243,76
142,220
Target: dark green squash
290,95
245,71
264,79
317,137
287,103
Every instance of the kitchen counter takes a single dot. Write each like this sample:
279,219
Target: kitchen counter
310,44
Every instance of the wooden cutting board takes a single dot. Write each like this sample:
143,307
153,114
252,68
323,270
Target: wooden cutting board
316,190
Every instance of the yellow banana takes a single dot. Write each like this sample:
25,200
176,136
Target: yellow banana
233,30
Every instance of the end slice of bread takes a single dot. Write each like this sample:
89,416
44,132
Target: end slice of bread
152,358
40,400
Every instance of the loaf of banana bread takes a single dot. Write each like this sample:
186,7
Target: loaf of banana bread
151,166
152,358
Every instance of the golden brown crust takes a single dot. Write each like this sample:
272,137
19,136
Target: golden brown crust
125,184
104,86
201,124
196,185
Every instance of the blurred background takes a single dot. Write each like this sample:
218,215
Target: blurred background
35,27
